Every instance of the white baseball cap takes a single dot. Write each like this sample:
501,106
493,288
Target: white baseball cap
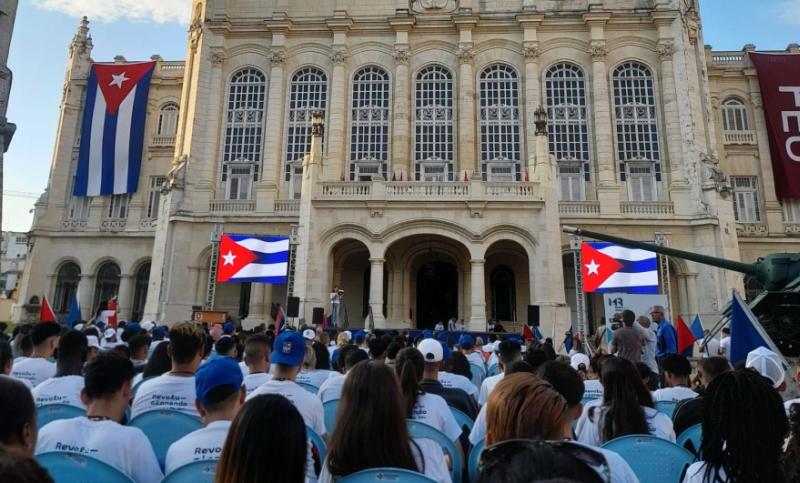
431,350
148,325
768,364
110,332
78,327
577,359
309,334
348,334
92,341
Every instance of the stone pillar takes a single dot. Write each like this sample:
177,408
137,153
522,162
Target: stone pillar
669,98
401,110
466,97
125,296
337,115
272,159
85,293
772,207
477,319
256,312
376,291
533,89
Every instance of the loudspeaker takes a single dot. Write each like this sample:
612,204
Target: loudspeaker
293,307
319,315
533,315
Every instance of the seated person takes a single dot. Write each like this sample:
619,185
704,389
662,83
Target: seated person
256,357
433,354
66,386
509,351
37,368
17,417
676,371
331,389
690,411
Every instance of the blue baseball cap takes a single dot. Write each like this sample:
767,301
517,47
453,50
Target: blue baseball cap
289,349
466,339
359,337
427,334
217,372
134,327
228,328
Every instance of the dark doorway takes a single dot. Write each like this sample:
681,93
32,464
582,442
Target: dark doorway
504,300
437,294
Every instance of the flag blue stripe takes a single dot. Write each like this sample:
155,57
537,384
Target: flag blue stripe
271,280
271,258
600,245
644,289
266,238
629,266
136,144
109,144
82,169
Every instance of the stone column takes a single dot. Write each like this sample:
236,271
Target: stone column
401,109
533,89
273,133
337,118
376,291
466,114
85,293
125,296
669,98
477,319
256,312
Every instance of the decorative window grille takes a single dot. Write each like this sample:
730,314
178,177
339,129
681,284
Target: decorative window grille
308,93
571,181
499,121
154,196
734,115
239,181
636,116
641,180
433,124
369,125
791,211
78,205
141,282
245,117
168,120
118,206
746,199
67,280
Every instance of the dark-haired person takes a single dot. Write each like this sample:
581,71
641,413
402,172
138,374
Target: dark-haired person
433,354
157,364
66,386
256,356
220,394
349,356
690,411
175,389
725,343
627,408
744,426
467,344
139,346
455,375
226,347
525,461
676,372
509,351
628,341
36,368
16,467
98,434
791,456
6,358
253,454
17,416
371,429
378,347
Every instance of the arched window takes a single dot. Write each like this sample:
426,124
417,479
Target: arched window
107,284
140,284
734,115
638,143
500,128
568,128
243,133
369,125
309,93
67,280
168,120
433,125
504,298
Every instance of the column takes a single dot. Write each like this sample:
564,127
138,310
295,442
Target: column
337,115
125,296
602,115
401,109
85,292
466,114
376,291
477,319
533,99
272,160
669,97
256,312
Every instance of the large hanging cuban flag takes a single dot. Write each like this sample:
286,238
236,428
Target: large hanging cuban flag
112,134
256,259
608,267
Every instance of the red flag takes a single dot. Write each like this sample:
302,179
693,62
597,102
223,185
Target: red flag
112,317
527,334
527,179
466,178
46,313
686,338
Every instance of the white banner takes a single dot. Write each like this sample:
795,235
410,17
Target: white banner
615,303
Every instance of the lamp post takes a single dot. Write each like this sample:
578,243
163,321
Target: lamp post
540,121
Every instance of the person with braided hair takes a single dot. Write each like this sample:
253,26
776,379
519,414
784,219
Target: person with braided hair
744,426
791,457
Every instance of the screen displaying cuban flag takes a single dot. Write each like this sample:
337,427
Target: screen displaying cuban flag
250,258
112,133
608,267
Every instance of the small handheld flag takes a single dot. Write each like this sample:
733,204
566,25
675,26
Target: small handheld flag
74,311
46,313
612,268
746,332
697,328
686,338
527,333
256,259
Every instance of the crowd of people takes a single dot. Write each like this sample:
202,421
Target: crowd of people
257,396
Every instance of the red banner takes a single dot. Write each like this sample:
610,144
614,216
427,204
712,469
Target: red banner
779,78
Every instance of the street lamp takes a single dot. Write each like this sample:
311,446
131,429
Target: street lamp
540,120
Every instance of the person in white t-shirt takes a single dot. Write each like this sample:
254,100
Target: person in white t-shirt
66,386
467,344
175,389
725,343
509,351
331,389
709,346
309,374
256,356
220,394
37,368
677,372
98,434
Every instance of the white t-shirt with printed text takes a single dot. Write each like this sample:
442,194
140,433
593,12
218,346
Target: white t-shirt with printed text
314,377
457,381
200,445
253,380
434,411
592,389
331,389
673,394
589,429
488,385
166,392
35,370
60,390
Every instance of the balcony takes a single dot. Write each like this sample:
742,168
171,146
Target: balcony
429,191
163,141
647,208
232,207
170,69
287,207
739,137
578,208
113,224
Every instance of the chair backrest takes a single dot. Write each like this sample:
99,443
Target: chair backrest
478,374
330,409
164,427
309,387
383,475
318,443
462,419
652,459
53,412
666,407
195,472
474,457
65,466
420,430
693,434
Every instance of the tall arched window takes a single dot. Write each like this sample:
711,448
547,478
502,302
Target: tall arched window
369,125
500,129
309,93
568,128
638,143
140,284
168,120
734,115
67,280
433,125
107,284
243,133
504,297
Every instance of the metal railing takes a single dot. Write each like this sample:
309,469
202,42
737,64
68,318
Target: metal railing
739,137
649,208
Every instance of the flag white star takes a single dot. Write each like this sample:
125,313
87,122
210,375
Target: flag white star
594,268
229,258
118,80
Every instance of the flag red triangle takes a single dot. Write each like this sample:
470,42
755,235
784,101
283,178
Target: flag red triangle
686,338
526,332
116,81
232,258
596,267
46,313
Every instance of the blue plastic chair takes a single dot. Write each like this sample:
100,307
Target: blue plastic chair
494,370
666,407
164,427
196,472
53,412
318,442
478,374
474,458
420,430
693,434
382,475
330,409
309,387
67,467
652,459
462,419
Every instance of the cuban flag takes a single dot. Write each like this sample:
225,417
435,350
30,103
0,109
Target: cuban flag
112,134
256,259
608,267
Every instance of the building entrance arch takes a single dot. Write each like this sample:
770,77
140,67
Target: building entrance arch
437,293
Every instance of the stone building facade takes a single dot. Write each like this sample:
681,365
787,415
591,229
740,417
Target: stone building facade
429,193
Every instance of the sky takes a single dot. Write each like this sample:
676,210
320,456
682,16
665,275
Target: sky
138,29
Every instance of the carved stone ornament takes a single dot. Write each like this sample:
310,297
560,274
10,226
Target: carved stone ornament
714,175
598,51
665,50
402,56
692,20
176,175
465,54
531,52
277,56
338,56
435,6
217,56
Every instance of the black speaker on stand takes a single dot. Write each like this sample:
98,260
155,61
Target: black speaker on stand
293,307
319,315
533,315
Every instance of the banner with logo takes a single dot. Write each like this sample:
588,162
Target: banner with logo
779,78
615,303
